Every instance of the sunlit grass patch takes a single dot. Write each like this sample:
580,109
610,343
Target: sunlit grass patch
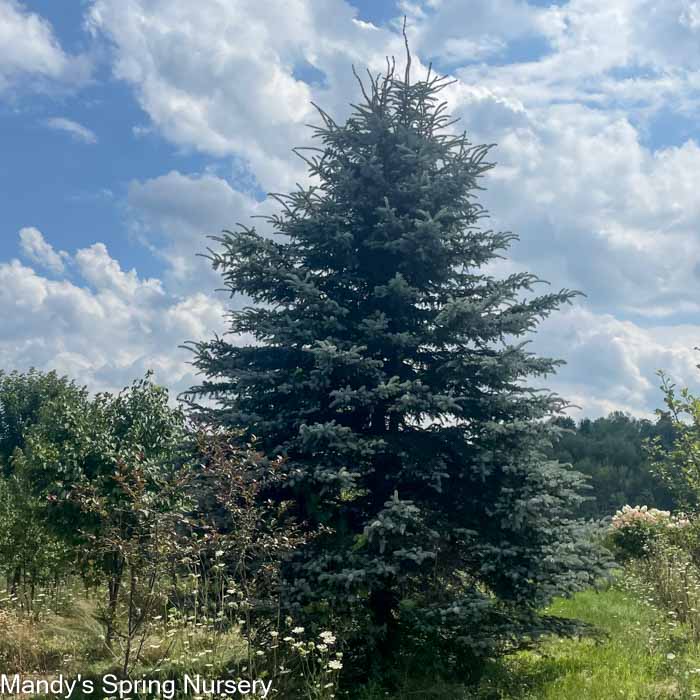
642,656
639,653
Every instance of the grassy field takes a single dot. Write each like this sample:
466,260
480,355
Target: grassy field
643,656
640,655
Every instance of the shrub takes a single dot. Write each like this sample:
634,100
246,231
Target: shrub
635,529
661,552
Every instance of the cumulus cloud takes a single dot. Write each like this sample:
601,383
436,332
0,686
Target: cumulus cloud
36,248
629,52
76,130
225,80
454,33
612,364
597,207
174,213
30,54
106,327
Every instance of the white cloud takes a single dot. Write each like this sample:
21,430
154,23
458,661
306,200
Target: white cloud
76,130
173,214
30,54
35,247
629,52
612,364
106,276
595,209
222,79
455,33
104,329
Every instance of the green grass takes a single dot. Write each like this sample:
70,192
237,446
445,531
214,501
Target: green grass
639,655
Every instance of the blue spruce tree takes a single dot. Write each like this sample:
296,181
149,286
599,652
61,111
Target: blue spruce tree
390,372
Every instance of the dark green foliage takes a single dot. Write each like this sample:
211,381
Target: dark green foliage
30,553
93,444
23,396
611,452
90,474
389,370
676,456
633,542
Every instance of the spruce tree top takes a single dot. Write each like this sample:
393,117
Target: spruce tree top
376,275
389,370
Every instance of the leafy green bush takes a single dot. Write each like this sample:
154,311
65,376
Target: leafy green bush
635,529
661,553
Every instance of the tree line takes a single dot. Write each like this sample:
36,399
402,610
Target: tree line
615,452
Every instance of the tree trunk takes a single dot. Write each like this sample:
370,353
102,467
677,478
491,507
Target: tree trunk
132,624
113,586
16,576
382,603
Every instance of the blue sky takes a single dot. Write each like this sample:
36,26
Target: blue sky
131,130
